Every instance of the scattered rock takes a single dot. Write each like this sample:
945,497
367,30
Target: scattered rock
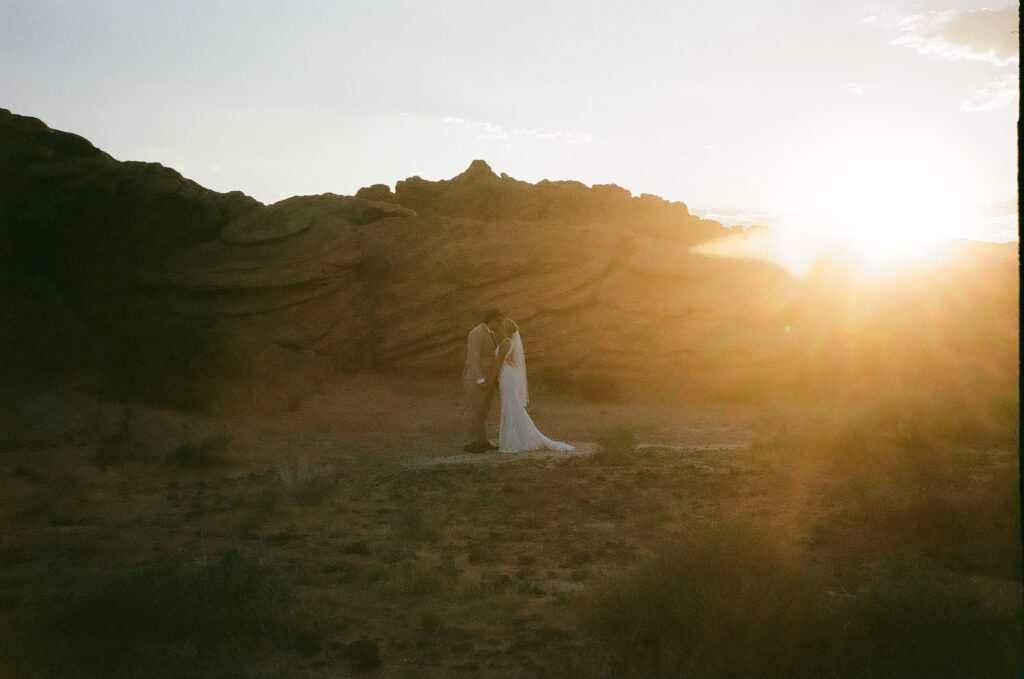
380,193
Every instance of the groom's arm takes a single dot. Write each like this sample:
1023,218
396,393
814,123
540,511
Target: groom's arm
475,349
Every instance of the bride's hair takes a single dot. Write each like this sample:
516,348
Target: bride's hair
510,327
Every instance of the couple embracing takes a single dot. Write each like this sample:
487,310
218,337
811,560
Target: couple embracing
495,363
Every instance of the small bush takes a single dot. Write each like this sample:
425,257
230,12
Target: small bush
362,655
117,448
480,554
359,548
211,452
306,484
409,579
732,603
721,604
416,524
594,387
925,625
430,621
257,507
616,444
903,492
171,618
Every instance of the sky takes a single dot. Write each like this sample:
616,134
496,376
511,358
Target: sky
887,119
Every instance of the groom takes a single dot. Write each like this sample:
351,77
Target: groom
478,381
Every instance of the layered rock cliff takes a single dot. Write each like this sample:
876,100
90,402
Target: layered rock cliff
161,286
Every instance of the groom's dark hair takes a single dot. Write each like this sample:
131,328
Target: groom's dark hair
491,314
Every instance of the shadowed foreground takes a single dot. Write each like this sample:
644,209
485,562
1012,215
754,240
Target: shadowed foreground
313,541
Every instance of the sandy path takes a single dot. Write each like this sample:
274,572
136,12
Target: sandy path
403,422
694,454
418,422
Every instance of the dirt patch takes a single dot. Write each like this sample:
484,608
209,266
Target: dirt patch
582,449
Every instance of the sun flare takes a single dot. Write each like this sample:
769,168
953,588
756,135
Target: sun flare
794,252
891,214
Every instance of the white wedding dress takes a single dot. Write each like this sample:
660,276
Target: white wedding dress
517,432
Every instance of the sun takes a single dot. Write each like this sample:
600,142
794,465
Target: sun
891,215
882,220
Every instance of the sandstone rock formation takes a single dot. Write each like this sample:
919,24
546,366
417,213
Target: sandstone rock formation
163,287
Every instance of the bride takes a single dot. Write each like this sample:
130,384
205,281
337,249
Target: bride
517,432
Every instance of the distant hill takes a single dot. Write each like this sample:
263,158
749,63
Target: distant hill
155,288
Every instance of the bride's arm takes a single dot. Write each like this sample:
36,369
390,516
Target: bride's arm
505,350
502,354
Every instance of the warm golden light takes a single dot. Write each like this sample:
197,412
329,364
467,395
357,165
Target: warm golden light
880,220
893,216
882,256
794,252
797,253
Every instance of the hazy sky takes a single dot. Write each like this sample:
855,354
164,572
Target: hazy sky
800,114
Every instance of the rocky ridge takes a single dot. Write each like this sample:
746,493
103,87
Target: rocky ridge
165,288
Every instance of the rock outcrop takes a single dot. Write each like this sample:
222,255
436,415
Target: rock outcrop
164,288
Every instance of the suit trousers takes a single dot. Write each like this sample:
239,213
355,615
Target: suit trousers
477,407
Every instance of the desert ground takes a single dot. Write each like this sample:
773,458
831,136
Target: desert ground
346,534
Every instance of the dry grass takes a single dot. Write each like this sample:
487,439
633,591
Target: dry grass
167,618
832,547
731,602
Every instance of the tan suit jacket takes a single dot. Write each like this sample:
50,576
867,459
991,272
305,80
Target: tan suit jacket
479,353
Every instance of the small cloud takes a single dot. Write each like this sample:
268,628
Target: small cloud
999,92
993,221
982,35
578,138
215,168
564,136
491,131
156,152
856,88
1002,208
739,216
539,133
483,130
869,19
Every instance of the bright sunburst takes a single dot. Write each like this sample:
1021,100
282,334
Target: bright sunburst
892,216
881,220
